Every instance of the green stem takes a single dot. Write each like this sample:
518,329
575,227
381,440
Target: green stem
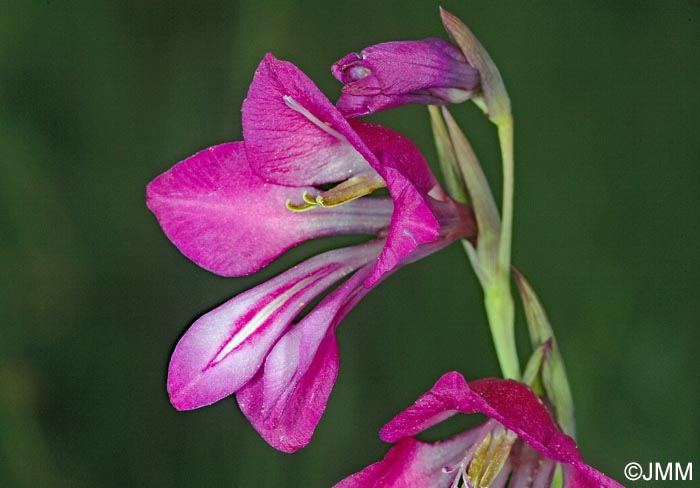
505,137
500,311
498,298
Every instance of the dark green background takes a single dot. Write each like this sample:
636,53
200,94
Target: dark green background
97,98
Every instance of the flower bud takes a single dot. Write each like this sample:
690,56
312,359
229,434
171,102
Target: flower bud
429,71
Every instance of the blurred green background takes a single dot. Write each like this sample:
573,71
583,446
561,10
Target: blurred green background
97,98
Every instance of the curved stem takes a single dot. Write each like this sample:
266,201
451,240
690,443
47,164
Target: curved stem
498,298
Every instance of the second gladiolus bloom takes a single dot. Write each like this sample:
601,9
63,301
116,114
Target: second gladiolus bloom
520,445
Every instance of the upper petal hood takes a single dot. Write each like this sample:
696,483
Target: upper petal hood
291,129
312,147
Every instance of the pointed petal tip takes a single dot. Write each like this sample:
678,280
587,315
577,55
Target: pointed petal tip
182,396
181,402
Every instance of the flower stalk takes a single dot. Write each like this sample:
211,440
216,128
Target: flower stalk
501,313
499,299
491,257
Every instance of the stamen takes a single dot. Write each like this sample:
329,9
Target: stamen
350,189
490,456
498,456
479,461
347,191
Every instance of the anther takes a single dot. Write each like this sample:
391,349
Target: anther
344,192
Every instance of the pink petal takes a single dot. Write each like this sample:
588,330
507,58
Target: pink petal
409,181
509,402
516,407
289,423
226,219
288,395
224,348
310,142
295,146
400,67
447,397
352,105
415,464
386,148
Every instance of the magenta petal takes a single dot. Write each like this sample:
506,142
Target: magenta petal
294,135
226,219
291,129
358,105
289,424
224,348
400,67
415,464
428,71
409,181
288,395
412,224
447,397
516,407
509,402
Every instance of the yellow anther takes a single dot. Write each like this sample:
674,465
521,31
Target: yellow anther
350,189
479,461
490,457
347,191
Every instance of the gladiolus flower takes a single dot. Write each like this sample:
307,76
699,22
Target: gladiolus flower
429,71
520,444
235,207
